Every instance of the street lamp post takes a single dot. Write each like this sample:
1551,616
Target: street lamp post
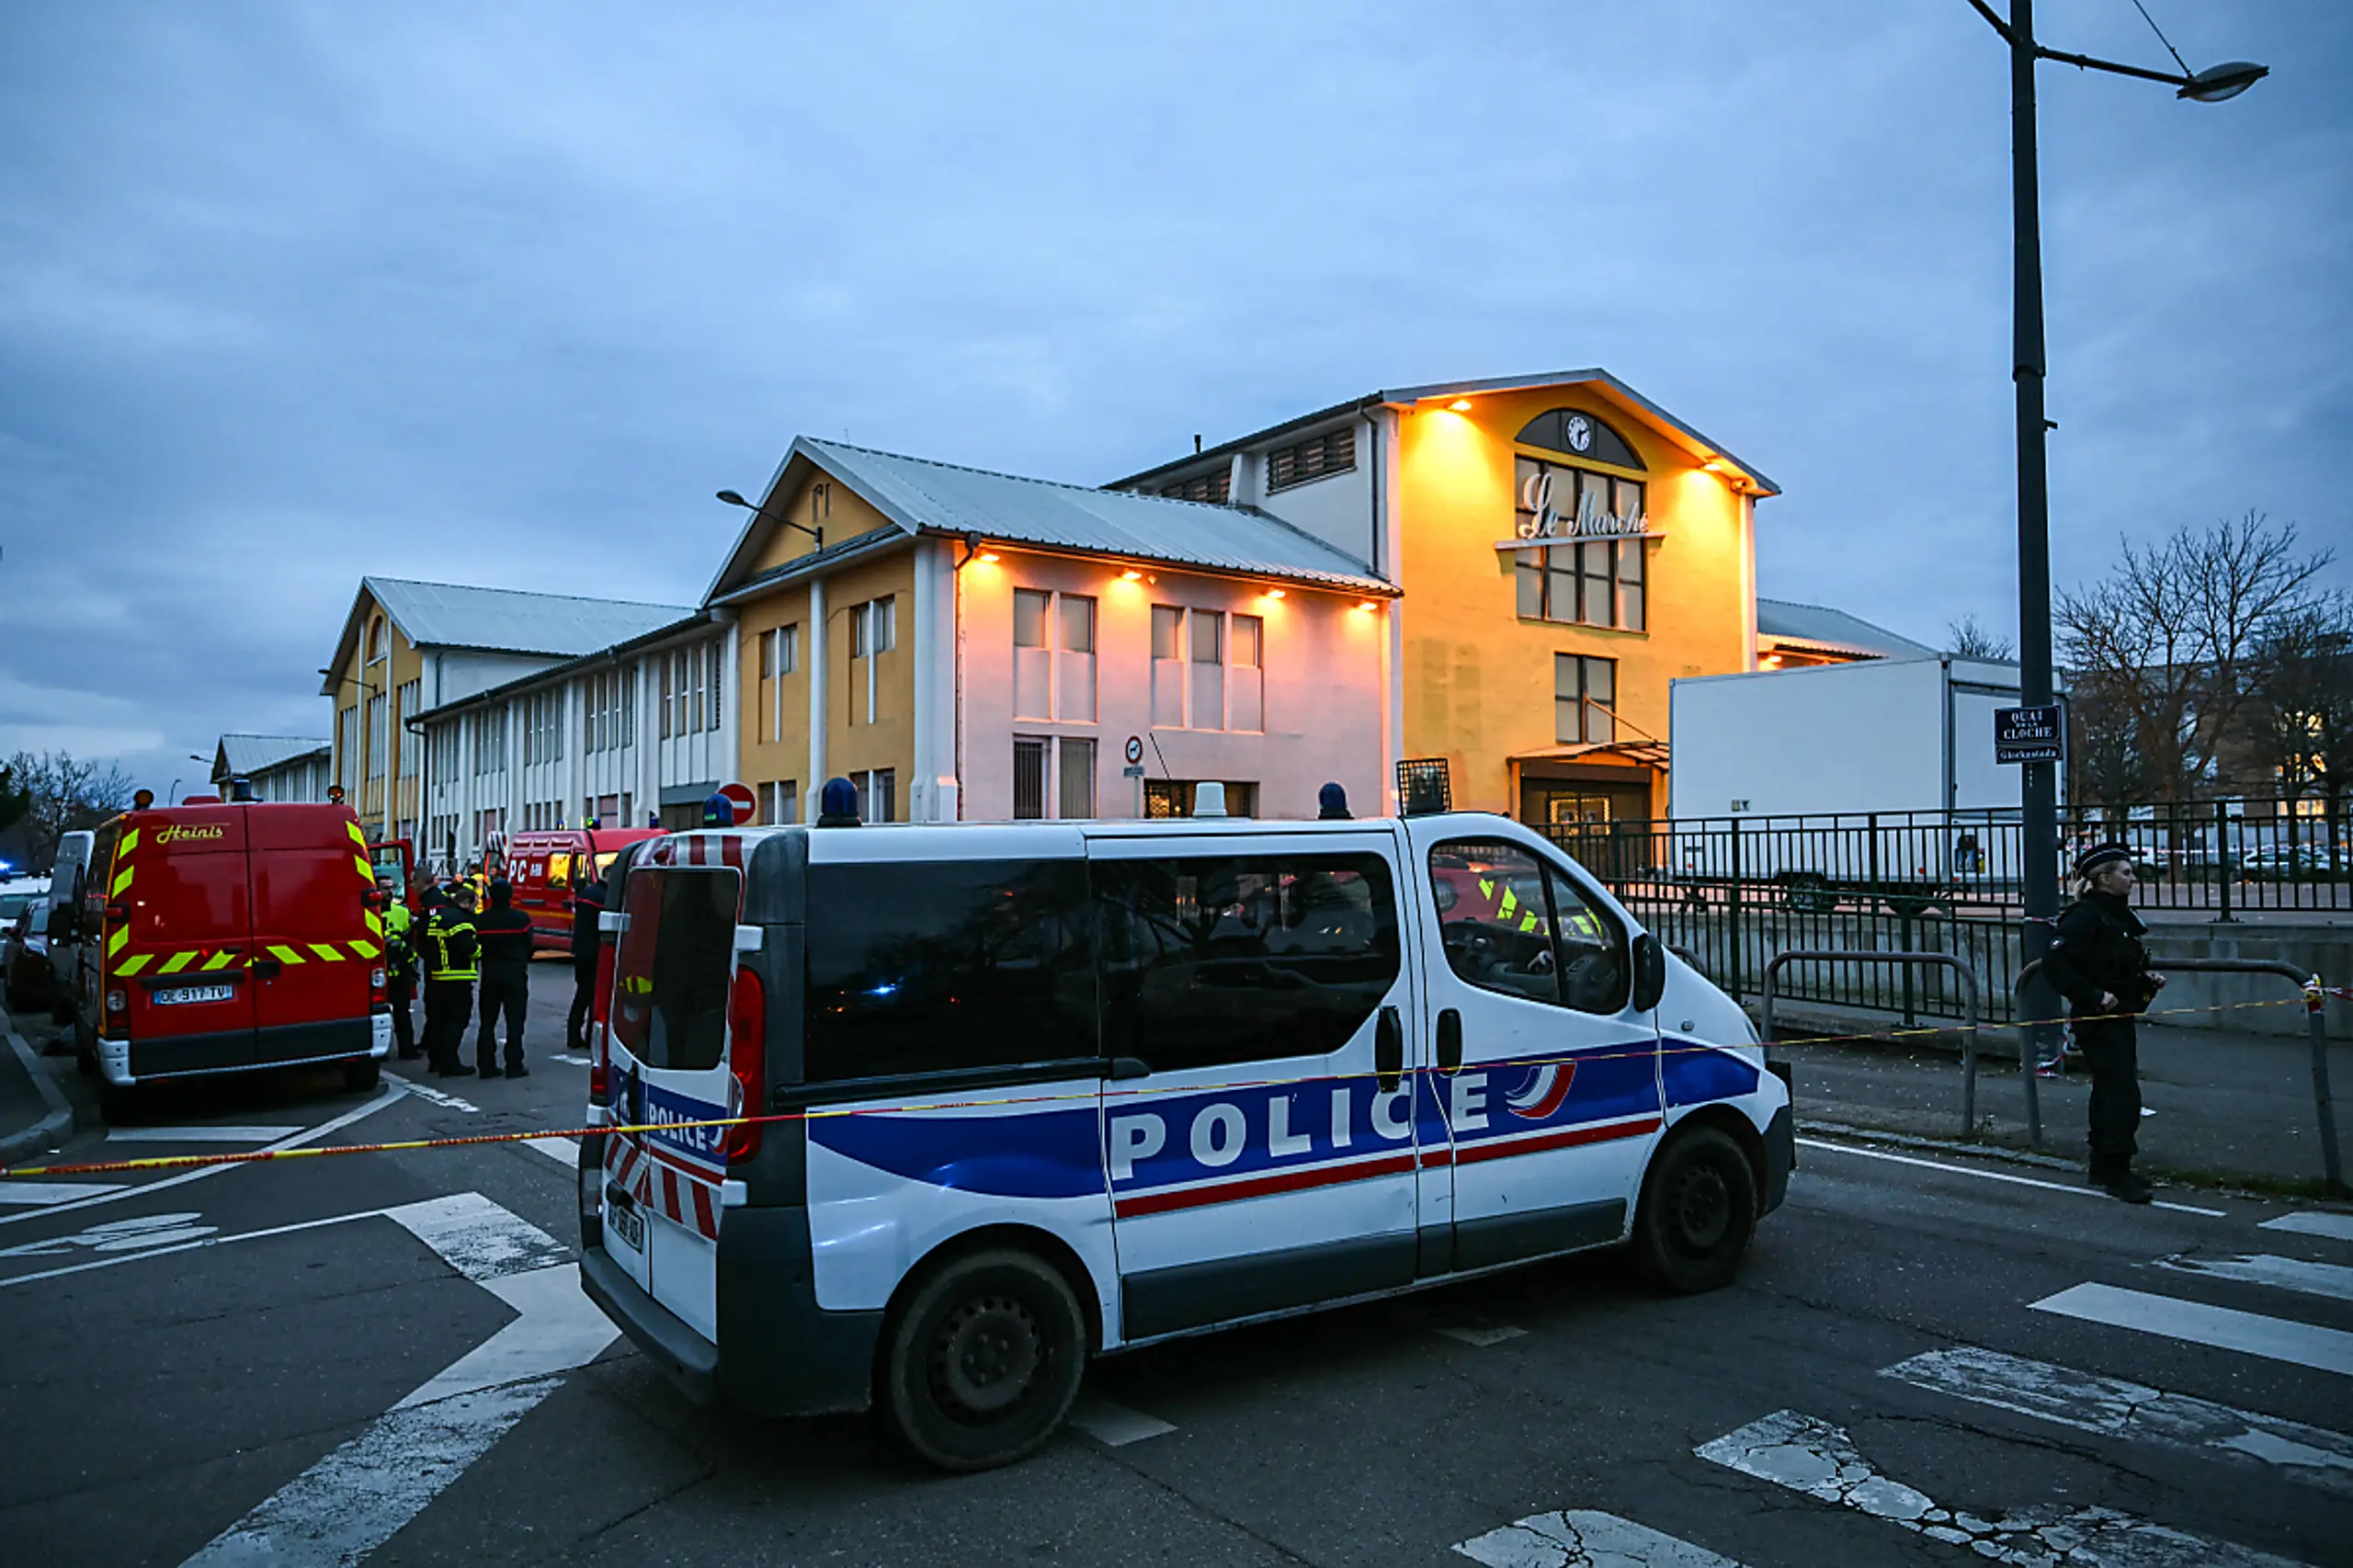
2038,796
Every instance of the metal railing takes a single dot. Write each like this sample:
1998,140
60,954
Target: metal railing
1969,1013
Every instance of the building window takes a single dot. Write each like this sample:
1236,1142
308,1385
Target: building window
375,638
1334,452
1078,778
1580,435
405,698
873,629
1168,667
1600,579
783,798
1029,777
779,656
375,742
877,794
1074,661
1032,663
1175,797
661,707
1216,486
1584,699
714,667
1205,693
1245,685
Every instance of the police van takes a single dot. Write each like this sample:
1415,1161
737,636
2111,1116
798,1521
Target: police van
1016,1094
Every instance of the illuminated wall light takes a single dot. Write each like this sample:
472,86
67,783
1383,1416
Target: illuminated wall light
990,557
1276,594
1461,405
1368,603
1130,576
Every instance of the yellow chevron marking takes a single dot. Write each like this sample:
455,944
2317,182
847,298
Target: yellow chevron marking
357,837
329,951
286,955
176,963
132,964
121,881
375,923
222,961
1531,923
367,872
130,841
366,949
1509,905
115,943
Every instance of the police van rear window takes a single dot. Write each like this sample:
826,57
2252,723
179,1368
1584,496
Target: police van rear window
673,966
947,966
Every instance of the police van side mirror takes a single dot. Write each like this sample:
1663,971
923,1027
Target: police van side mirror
1650,972
1121,1068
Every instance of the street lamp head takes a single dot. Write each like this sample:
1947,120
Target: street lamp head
2217,83
733,499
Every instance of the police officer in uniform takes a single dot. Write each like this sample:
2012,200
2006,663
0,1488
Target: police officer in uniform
400,971
449,945
588,904
2098,964
506,934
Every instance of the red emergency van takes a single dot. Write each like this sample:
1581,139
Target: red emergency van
546,865
228,937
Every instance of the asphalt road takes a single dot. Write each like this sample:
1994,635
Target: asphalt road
211,1366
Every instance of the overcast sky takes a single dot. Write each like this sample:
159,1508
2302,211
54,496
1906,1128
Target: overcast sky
501,294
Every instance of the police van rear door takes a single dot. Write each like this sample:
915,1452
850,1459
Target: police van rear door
1269,1160
675,972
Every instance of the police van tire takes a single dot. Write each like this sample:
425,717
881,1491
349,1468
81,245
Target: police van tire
362,1073
981,1363
1697,1213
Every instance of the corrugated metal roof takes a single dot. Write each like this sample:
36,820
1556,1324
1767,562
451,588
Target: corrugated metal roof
1826,628
248,755
925,497
506,621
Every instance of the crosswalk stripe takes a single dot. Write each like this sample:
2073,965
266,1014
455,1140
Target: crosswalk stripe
2112,1407
1115,1425
1582,1537
53,1192
199,1134
2251,1334
2314,1223
2282,1272
1811,1456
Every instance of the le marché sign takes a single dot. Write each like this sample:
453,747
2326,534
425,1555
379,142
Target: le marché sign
1591,519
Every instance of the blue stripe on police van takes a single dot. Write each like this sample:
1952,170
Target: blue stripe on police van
1695,1073
696,1148
1031,1154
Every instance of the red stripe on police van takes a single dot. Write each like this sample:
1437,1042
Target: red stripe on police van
706,1221
1261,1186
1561,1138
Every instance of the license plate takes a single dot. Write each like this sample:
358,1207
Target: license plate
628,1223
193,994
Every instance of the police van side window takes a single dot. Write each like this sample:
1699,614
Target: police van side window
674,965
949,966
1510,923
1213,961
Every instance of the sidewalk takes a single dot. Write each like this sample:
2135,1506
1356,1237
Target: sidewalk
34,1115
2228,1107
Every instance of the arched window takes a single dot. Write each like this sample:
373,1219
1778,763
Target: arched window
1580,435
376,638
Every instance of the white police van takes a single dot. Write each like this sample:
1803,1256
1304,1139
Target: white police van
1045,1090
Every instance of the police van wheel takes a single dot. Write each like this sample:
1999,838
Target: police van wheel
1697,1213
119,1102
362,1073
982,1362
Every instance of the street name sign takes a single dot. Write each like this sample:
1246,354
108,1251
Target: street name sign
2028,734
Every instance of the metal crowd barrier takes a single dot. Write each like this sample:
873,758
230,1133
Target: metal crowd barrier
1969,1027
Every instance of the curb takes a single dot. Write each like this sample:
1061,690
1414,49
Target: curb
51,1129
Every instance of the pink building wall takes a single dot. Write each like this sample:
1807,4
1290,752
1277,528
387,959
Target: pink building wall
1322,668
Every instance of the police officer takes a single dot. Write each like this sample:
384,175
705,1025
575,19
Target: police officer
588,904
506,933
449,945
400,970
2098,964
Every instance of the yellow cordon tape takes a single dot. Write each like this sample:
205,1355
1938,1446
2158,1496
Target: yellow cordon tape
183,1162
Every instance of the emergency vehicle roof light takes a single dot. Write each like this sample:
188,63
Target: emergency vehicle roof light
837,804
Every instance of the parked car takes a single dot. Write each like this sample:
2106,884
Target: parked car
23,947
2297,862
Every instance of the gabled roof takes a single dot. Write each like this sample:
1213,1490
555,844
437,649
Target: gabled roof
244,755
499,620
1658,418
920,496
1833,630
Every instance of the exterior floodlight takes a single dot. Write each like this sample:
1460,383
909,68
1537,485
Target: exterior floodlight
2216,82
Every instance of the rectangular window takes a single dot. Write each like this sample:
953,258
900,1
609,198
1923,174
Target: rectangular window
406,697
1033,666
783,802
882,795
1077,782
373,742
947,966
675,962
1074,662
629,709
669,685
1246,683
1168,667
1206,699
1210,961
1513,924
1600,579
1334,452
1029,777
1585,698
1216,486
714,669
886,623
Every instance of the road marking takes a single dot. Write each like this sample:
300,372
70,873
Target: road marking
564,1152
2001,1175
1811,1457
2250,1334
189,1246
2281,1273
2314,1223
432,1096
199,1134
1580,1537
2112,1407
1115,1425
1483,1337
571,1060
363,1494
118,1235
54,1192
384,1097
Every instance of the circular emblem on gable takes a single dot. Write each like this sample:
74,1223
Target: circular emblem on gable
1578,430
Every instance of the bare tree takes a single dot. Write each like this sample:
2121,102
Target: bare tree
1972,638
64,796
2299,712
2160,650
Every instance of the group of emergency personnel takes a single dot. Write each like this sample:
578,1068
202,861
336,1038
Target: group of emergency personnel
450,950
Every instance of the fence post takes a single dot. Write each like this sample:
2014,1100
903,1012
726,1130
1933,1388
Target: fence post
2324,1103
1733,915
2222,856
